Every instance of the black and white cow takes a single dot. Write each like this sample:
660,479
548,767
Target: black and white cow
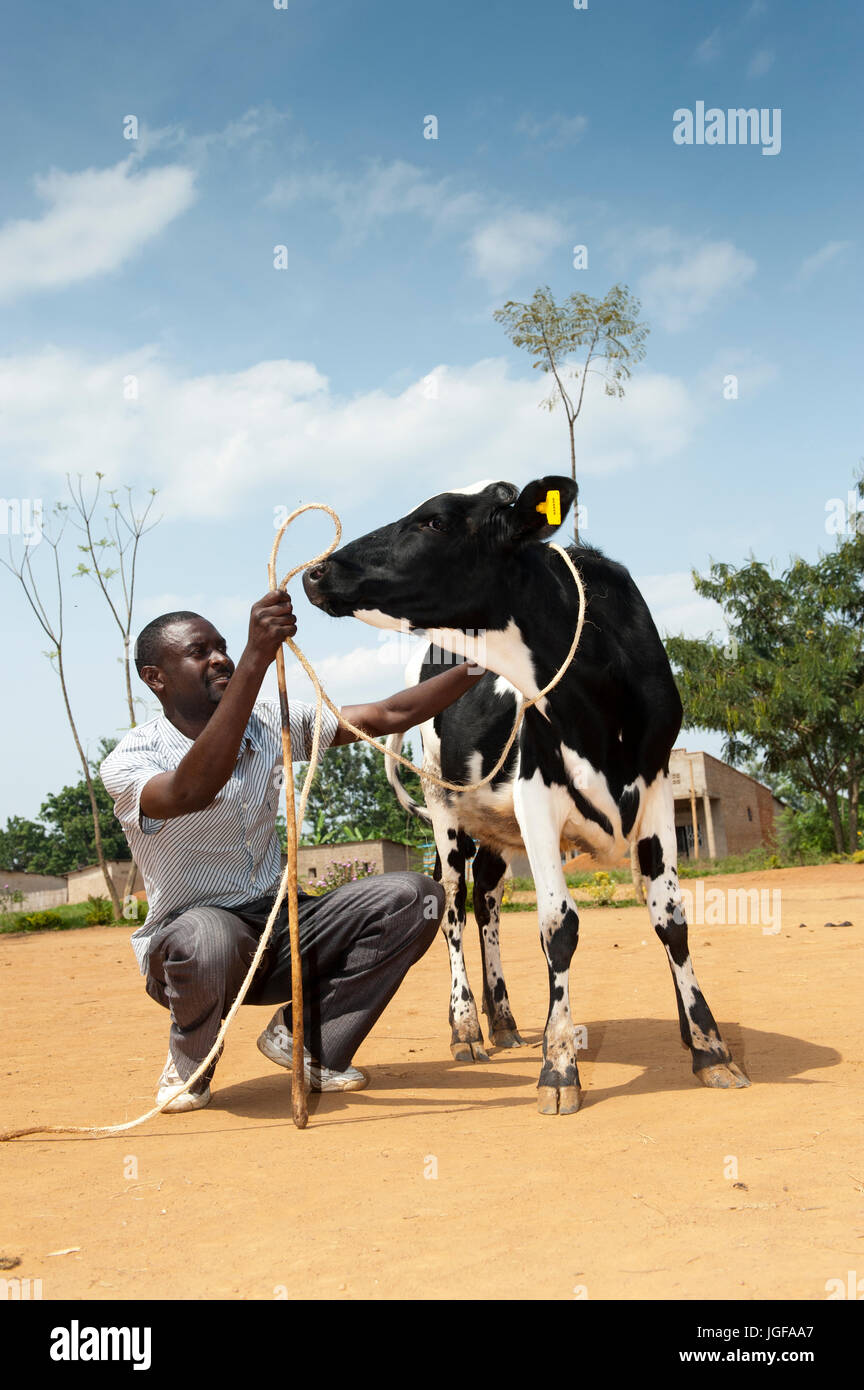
590,765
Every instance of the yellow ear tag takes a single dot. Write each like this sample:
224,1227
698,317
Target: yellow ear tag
552,508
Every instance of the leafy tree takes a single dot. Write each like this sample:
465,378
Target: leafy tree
63,838
25,846
803,827
565,339
787,688
805,831
351,798
68,815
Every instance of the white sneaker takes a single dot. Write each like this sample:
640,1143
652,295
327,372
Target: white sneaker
171,1083
278,1046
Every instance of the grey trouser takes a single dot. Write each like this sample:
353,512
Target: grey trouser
356,943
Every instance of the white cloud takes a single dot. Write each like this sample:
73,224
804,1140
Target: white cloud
504,244
761,62
829,252
676,292
96,220
224,609
645,241
709,48
368,672
514,245
275,433
257,124
677,608
753,372
555,131
381,191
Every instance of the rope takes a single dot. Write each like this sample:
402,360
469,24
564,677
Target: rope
289,875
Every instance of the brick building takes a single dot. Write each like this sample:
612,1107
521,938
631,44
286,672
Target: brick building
733,812
385,857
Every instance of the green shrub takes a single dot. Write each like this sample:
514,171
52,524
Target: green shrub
858,856
601,889
41,921
9,898
99,911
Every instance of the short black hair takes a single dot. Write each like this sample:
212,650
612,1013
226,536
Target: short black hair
148,647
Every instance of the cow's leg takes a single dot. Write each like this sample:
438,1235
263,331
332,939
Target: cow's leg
541,811
454,849
658,860
488,873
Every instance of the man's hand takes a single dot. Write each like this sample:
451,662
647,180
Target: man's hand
270,622
410,707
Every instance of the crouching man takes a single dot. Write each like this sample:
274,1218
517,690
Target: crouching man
197,792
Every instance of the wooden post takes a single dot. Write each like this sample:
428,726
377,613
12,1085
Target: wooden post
709,824
693,812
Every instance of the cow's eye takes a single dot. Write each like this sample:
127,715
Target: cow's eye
432,523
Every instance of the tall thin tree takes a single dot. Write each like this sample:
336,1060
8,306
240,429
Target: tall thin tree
573,340
53,627
125,529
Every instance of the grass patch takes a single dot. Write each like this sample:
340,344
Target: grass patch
67,915
758,858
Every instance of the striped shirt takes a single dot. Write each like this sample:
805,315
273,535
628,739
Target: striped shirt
228,853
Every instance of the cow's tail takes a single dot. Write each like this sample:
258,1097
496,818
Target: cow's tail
394,745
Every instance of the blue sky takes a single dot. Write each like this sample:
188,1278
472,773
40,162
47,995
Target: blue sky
370,372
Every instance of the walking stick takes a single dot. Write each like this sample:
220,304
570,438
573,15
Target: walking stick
298,1072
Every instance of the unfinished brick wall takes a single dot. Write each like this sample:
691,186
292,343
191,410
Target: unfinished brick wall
743,811
385,857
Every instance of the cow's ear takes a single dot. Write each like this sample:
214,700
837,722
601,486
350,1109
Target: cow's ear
540,508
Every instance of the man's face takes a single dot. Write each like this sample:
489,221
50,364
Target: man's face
194,667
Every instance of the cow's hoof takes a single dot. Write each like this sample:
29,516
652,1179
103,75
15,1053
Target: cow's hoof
551,1101
469,1052
507,1037
725,1076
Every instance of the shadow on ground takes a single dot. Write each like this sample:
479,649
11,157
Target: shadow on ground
428,1086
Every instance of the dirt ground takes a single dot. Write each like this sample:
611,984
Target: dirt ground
442,1180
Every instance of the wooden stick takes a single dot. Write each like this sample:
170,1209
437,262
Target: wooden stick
298,1088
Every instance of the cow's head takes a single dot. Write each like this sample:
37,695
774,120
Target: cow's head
450,563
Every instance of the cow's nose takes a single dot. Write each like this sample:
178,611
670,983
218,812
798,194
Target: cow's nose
317,572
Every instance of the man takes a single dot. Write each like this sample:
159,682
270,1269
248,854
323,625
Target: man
197,792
